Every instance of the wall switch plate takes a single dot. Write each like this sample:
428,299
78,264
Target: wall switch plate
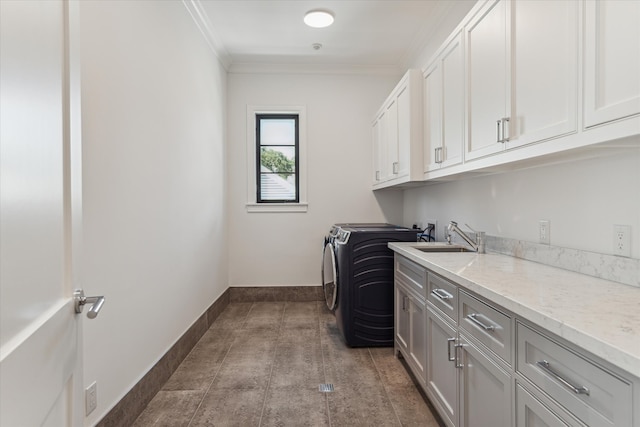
544,232
91,398
622,240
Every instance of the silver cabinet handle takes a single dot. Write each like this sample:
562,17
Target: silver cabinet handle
449,357
80,300
498,131
377,175
505,120
395,167
439,155
547,368
459,364
442,294
474,318
404,302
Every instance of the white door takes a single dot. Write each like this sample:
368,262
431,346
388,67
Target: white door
40,356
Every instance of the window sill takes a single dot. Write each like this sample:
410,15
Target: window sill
277,207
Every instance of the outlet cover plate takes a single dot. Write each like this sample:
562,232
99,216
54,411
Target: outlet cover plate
622,240
544,230
91,398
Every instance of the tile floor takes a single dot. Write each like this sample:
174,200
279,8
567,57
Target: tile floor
260,364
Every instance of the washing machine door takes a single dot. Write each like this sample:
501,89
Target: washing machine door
329,275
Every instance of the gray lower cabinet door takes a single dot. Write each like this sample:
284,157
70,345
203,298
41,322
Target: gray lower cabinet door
417,343
531,412
401,319
442,375
485,397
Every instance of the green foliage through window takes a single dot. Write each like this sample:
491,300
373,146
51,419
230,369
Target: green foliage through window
277,162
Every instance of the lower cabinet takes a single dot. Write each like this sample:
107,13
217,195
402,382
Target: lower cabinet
485,389
410,332
482,366
442,371
466,386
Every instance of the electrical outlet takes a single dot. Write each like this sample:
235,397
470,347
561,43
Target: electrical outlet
91,398
622,240
435,228
544,232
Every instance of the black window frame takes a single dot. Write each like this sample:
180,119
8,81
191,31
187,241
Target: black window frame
259,146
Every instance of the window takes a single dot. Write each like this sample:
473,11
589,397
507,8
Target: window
277,159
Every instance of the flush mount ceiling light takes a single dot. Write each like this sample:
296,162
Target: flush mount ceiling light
318,18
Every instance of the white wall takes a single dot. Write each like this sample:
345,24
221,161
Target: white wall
155,222
582,200
272,249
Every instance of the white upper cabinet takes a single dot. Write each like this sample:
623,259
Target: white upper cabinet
612,60
377,150
443,109
390,140
488,65
523,80
397,134
516,80
545,70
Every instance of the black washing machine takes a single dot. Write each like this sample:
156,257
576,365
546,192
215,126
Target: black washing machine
357,277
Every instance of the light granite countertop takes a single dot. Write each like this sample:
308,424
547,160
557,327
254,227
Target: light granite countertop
601,316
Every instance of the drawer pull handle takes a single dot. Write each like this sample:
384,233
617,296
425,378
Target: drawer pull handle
449,357
442,294
474,318
577,390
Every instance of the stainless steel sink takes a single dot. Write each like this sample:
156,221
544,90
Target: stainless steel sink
442,249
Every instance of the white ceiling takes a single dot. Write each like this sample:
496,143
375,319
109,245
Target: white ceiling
372,34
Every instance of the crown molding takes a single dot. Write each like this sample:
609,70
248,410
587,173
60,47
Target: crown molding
201,19
307,68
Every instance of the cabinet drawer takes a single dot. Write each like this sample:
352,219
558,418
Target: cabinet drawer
444,295
411,275
592,394
483,322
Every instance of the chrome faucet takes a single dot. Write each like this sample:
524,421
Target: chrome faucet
477,245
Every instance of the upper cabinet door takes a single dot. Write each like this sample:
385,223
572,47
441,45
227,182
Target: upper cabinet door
403,155
432,110
544,87
390,122
612,60
488,65
443,84
376,151
453,123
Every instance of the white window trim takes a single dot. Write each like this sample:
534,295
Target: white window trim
252,205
